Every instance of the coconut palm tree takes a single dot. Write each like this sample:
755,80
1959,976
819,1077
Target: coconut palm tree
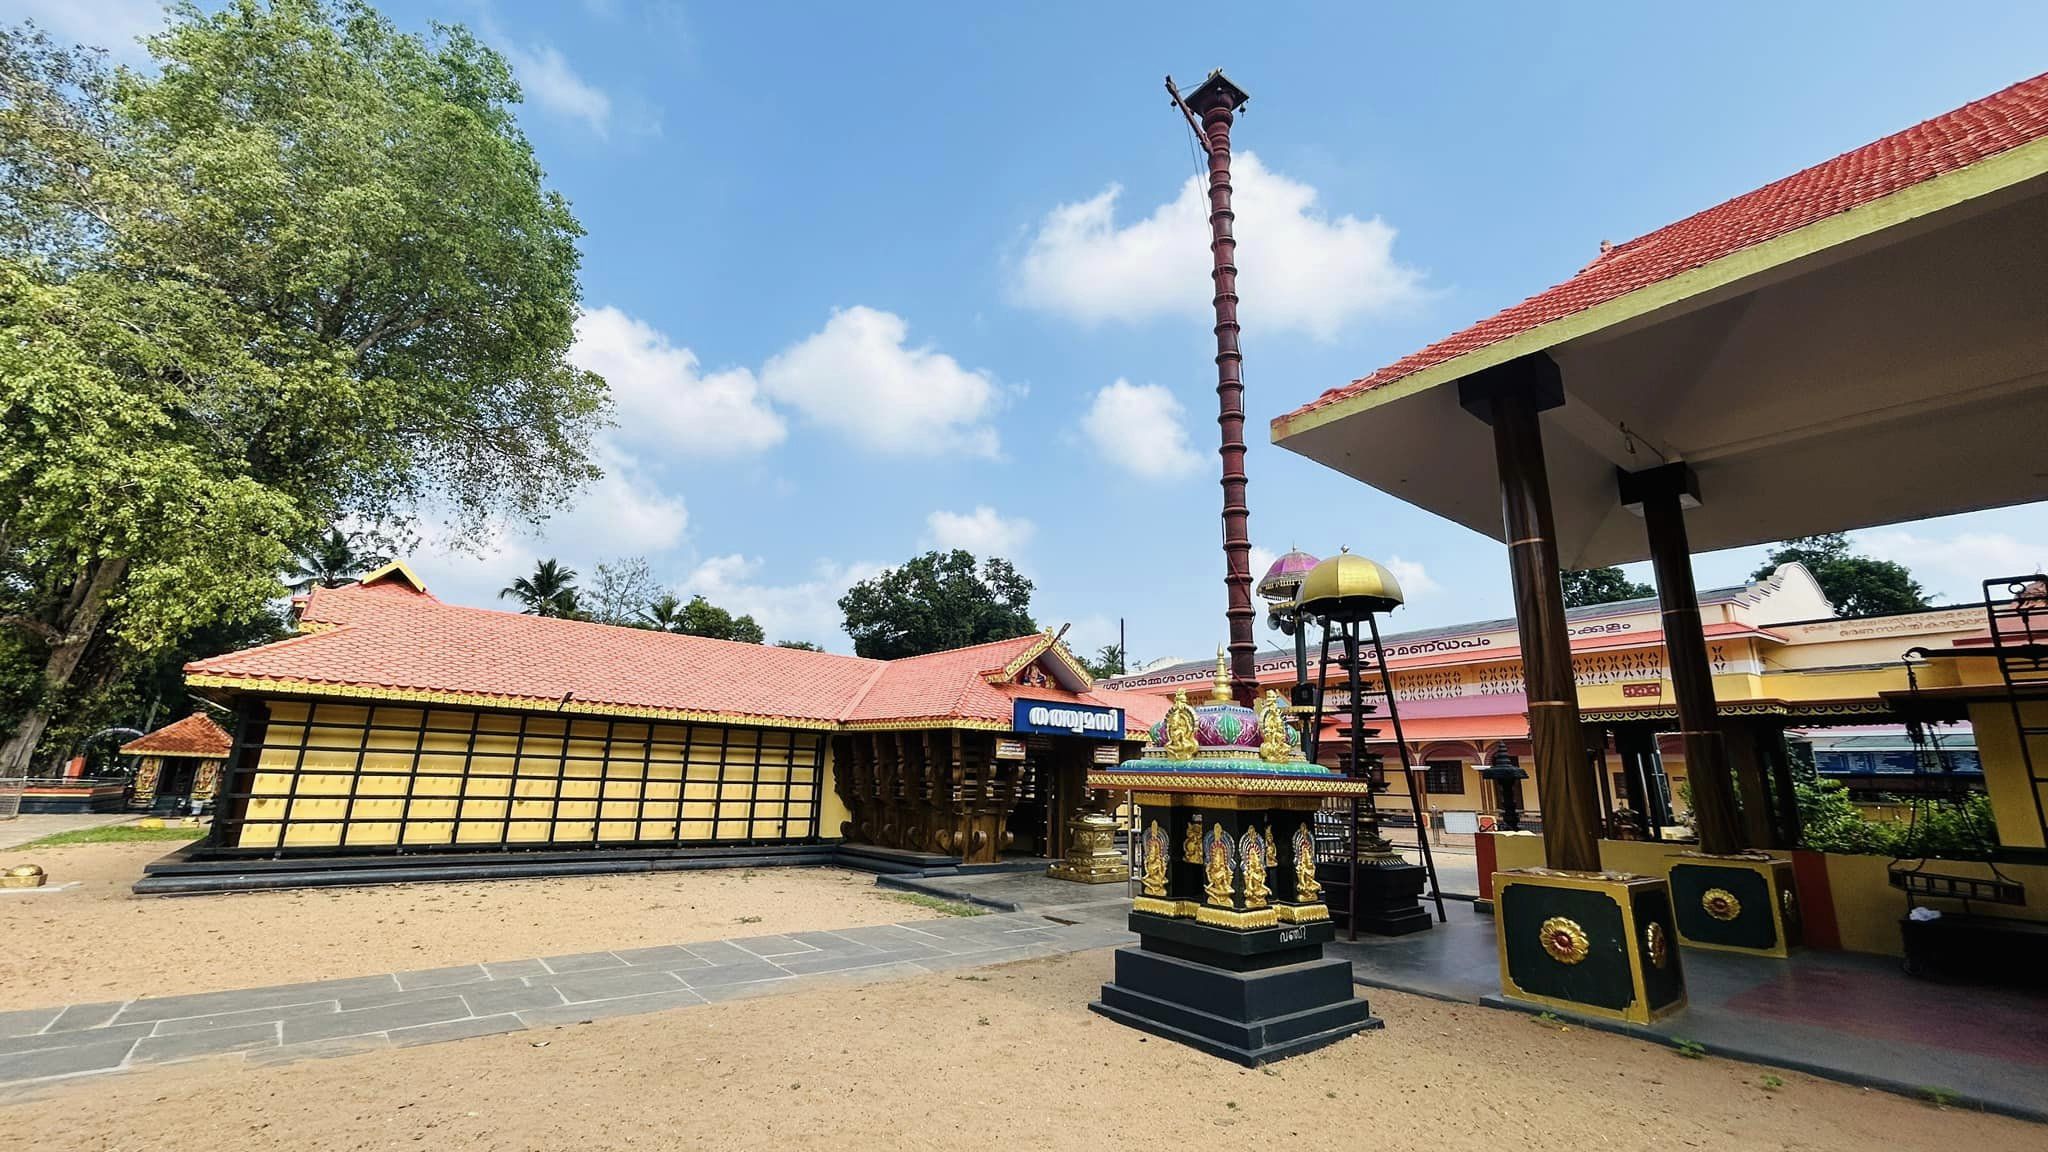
665,614
333,560
550,591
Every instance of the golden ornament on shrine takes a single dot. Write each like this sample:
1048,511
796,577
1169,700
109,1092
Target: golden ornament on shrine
1657,945
1564,940
1721,904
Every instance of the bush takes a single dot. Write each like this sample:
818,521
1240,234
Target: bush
1955,829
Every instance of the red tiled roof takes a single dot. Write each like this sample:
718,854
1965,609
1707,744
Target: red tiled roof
387,635
954,684
195,735
1974,132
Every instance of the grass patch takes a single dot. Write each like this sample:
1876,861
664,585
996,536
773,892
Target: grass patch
116,834
1688,1049
937,904
1939,1097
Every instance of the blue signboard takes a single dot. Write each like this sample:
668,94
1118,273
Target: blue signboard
1060,718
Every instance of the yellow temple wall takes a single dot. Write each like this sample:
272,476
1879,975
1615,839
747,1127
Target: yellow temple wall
832,811
360,775
2005,768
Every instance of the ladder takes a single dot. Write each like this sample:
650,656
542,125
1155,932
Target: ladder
1364,819
2017,609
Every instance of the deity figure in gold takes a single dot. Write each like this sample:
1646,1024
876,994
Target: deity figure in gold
1272,853
1218,886
1253,852
1191,844
1156,849
1180,729
1274,746
1307,889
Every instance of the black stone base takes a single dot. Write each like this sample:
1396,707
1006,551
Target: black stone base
1389,899
1250,997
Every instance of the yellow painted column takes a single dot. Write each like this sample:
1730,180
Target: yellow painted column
2016,802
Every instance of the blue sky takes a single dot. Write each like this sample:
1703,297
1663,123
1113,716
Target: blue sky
874,278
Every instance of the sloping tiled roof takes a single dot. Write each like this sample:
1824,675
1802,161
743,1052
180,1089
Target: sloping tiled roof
1974,132
196,735
955,684
388,638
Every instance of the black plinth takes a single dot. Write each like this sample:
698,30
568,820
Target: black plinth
1389,897
1251,997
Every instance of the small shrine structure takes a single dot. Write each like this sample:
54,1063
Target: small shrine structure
1230,916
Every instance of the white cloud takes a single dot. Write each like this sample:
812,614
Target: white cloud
805,610
662,397
1953,567
545,75
116,25
1261,559
982,532
856,376
1138,428
1415,579
1299,268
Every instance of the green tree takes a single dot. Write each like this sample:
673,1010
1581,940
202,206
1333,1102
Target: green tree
801,645
305,270
333,559
621,591
937,601
664,613
1856,585
550,591
1601,586
700,617
1109,661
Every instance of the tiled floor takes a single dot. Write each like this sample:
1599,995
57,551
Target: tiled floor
338,1017
1835,1014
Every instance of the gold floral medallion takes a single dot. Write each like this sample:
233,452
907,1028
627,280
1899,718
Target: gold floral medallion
1565,940
1721,904
1657,945
1191,843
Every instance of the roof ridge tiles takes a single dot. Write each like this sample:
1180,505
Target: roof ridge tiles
1999,122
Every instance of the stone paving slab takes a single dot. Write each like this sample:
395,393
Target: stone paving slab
327,1018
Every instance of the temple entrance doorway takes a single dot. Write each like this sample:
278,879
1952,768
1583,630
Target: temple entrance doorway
1052,790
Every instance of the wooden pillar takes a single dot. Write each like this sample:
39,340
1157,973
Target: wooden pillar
1509,397
1745,761
1661,493
1784,800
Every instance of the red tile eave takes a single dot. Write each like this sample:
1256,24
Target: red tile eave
390,639
1977,131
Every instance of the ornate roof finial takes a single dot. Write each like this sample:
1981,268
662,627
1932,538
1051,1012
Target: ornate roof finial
1221,693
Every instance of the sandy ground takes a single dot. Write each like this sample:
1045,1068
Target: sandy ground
100,942
1004,1057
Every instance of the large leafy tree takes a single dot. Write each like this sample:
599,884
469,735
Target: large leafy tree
307,270
936,601
550,591
1601,586
1856,585
700,617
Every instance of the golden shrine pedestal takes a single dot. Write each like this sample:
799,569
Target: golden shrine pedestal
1230,918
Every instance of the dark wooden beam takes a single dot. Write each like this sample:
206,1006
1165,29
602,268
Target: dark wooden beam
1661,492
1509,397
